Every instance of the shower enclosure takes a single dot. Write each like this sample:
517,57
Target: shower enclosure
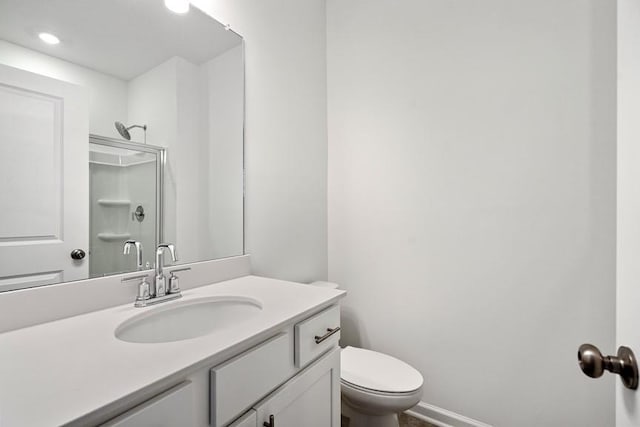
125,203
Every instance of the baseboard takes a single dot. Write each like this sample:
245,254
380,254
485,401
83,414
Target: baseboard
441,417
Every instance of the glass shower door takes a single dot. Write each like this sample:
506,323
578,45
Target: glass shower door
125,191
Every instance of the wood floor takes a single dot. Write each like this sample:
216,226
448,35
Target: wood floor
407,421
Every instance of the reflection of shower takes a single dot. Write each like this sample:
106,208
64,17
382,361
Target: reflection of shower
124,131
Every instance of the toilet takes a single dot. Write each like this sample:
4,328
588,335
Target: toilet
375,387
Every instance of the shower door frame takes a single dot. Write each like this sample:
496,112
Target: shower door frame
161,160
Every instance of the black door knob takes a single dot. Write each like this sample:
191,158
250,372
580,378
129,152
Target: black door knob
78,254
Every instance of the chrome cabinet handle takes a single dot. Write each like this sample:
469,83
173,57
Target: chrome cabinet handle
271,423
330,332
593,364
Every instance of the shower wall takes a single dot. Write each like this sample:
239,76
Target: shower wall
117,188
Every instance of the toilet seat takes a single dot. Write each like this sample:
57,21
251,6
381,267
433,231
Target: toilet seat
356,387
378,373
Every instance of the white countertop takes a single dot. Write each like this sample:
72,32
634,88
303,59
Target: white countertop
57,372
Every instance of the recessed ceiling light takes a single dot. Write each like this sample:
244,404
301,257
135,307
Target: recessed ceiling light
49,38
177,6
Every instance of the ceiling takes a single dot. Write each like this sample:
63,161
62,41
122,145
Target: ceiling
123,38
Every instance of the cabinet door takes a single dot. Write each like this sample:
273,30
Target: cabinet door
172,408
310,399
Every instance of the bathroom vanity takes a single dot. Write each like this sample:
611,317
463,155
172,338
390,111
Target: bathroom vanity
277,363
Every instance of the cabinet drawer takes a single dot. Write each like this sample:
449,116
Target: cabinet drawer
173,407
310,341
241,381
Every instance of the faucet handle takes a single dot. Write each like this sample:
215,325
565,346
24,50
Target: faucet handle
174,286
144,289
144,293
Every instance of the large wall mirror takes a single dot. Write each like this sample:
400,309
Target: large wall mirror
127,125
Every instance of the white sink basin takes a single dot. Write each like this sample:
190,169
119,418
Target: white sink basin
187,319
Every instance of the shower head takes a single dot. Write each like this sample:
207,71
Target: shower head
124,131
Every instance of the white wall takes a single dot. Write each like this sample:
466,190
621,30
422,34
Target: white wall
152,100
628,244
225,114
472,197
107,94
286,210
196,112
192,151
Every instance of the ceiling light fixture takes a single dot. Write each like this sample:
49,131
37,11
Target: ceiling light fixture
49,38
177,6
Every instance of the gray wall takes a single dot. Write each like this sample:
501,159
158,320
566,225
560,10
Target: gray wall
472,197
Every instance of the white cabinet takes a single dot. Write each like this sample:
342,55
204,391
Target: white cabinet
247,420
169,409
310,399
316,335
240,382
300,391
264,380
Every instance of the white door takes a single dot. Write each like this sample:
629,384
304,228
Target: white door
44,128
628,218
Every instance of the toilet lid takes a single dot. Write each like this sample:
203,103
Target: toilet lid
376,371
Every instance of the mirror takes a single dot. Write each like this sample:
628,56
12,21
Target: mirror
129,128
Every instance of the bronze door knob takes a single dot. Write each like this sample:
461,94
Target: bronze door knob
593,364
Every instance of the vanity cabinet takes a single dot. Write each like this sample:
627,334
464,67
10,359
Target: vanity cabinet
310,399
241,381
298,371
169,409
293,376
279,359
247,420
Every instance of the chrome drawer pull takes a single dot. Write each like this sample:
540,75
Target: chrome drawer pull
327,335
271,423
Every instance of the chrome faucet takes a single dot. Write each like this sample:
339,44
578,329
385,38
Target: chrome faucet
161,280
127,249
157,291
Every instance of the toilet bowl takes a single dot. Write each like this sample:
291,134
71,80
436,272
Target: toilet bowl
375,387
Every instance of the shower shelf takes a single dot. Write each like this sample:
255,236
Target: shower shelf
114,202
113,237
